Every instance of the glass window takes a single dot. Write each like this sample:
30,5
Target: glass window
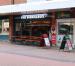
64,14
4,26
65,28
31,27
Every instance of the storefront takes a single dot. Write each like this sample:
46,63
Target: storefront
29,21
65,24
31,27
4,27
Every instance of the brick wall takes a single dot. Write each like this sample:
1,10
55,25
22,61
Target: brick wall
5,2
8,2
19,1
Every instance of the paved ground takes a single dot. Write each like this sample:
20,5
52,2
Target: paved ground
37,55
18,60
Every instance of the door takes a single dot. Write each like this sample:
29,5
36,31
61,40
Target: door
65,26
4,29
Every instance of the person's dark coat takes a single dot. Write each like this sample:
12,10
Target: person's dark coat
63,43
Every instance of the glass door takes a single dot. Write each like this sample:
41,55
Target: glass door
63,28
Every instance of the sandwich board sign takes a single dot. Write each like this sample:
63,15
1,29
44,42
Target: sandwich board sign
46,39
69,44
66,41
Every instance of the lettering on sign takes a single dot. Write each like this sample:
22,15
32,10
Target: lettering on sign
33,16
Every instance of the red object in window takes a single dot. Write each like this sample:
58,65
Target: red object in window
45,36
42,40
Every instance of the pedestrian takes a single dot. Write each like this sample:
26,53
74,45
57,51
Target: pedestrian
64,41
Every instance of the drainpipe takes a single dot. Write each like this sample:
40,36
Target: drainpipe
12,1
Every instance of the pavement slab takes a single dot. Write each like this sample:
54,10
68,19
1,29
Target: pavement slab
18,60
37,52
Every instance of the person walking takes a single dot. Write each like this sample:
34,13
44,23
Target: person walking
64,41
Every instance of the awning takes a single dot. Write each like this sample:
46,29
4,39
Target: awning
36,6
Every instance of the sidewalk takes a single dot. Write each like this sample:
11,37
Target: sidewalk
39,52
18,60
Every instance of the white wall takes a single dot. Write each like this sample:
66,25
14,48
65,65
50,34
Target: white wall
35,0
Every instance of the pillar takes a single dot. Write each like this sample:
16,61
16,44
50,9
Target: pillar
53,29
10,27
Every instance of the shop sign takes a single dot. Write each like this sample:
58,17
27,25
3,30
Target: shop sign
46,39
34,16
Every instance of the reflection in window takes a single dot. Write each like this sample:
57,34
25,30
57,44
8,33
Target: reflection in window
65,28
18,26
4,27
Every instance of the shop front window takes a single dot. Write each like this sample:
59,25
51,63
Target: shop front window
34,24
4,27
30,28
64,28
63,14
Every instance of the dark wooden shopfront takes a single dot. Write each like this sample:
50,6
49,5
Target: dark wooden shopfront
30,28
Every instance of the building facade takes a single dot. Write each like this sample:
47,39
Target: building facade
29,26
4,19
9,2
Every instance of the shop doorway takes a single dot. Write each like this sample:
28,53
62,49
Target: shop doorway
4,29
65,26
